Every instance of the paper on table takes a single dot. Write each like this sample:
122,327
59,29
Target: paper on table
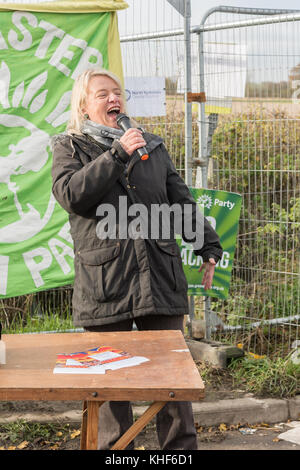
79,370
95,361
132,361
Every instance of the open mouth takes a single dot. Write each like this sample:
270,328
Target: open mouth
113,112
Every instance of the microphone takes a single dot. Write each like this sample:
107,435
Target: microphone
123,122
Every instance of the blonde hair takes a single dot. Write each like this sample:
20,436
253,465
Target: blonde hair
79,95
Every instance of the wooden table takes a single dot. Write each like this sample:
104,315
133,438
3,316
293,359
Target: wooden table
169,375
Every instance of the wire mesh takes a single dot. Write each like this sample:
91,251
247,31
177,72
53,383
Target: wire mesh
249,77
157,57
255,152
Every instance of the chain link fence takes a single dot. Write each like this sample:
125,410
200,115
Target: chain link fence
255,152
245,139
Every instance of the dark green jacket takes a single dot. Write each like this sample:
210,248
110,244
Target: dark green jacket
117,279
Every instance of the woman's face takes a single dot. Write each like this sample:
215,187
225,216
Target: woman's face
104,101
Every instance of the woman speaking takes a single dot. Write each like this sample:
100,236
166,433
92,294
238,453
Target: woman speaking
124,279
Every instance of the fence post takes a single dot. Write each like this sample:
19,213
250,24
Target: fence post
201,180
188,112
188,87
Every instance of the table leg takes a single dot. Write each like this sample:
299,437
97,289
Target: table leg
139,424
89,426
83,426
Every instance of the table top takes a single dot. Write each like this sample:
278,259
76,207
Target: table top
170,374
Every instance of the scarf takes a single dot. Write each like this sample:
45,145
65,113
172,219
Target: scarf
102,134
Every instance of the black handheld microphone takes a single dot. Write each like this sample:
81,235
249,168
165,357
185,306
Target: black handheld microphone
123,122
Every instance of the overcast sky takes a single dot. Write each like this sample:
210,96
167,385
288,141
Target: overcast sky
199,7
154,15
272,51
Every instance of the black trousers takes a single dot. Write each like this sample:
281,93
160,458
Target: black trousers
174,422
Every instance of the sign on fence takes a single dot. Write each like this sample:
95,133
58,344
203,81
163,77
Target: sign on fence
222,210
145,96
40,56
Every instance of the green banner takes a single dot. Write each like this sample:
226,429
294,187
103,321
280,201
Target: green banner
40,56
64,6
222,209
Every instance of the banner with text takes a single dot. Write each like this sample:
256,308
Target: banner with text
222,210
145,96
40,56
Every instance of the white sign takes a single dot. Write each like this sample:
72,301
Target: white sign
225,70
145,96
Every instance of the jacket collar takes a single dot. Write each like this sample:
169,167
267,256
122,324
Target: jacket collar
84,141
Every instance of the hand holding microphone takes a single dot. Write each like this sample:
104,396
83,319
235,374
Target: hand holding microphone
133,139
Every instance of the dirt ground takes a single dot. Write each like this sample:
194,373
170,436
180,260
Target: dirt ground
66,436
223,437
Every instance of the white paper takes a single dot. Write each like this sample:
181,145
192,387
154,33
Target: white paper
101,361
72,362
225,73
101,368
293,435
89,370
104,356
132,361
226,67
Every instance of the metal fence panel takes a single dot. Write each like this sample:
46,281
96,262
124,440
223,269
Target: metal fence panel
255,152
157,57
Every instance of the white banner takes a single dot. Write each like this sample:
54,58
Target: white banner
225,72
145,96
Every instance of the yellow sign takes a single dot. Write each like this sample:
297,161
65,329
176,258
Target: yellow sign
213,109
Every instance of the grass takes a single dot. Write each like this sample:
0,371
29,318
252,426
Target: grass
263,377
22,430
266,377
26,435
38,323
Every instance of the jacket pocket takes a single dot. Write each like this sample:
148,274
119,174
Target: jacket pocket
99,273
171,265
